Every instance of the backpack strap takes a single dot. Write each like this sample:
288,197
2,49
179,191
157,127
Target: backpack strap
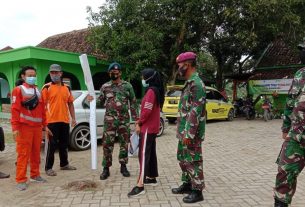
46,86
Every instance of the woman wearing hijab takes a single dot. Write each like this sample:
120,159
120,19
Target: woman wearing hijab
148,127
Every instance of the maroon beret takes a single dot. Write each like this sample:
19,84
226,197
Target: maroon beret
186,56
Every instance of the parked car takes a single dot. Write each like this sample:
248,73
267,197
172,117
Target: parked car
217,107
80,134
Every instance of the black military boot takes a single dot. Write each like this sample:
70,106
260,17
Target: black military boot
184,188
193,197
278,203
105,174
124,171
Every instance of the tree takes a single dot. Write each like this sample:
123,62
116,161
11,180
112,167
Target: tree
149,32
153,32
244,28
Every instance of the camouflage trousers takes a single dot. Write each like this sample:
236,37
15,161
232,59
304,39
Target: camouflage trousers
290,163
190,161
112,130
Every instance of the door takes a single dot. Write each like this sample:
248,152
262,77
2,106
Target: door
212,106
222,105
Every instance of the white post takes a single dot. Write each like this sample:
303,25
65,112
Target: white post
89,83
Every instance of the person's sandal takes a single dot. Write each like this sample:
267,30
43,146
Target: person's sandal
51,172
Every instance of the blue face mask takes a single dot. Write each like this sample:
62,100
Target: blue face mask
56,78
145,85
30,80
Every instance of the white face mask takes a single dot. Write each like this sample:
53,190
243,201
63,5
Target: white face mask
144,84
144,81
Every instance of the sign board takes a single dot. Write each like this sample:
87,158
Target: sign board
280,86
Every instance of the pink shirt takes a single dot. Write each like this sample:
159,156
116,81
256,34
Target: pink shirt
150,113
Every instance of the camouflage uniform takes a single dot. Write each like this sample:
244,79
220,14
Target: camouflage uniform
191,125
291,158
117,98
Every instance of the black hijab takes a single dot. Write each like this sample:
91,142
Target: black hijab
153,78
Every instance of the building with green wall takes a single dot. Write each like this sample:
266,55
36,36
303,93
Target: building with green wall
12,60
63,49
41,58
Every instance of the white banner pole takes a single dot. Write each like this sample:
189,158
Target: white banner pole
89,83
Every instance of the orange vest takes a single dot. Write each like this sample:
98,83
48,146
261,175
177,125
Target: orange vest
20,114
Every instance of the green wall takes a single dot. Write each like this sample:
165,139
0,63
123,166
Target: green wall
12,60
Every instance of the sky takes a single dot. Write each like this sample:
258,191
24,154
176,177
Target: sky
27,23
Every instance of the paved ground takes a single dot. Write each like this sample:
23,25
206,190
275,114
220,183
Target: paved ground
238,165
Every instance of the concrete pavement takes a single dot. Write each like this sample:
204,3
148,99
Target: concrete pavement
239,170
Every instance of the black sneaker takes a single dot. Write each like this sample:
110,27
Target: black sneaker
150,181
136,191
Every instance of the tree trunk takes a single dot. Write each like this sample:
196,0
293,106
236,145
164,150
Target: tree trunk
179,42
173,76
219,81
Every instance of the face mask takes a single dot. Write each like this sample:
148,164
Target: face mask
114,76
182,71
55,78
144,84
30,80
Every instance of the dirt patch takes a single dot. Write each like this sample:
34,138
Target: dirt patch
81,185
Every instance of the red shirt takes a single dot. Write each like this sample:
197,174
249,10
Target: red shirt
150,113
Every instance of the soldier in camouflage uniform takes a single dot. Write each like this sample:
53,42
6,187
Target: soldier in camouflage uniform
291,158
191,129
118,97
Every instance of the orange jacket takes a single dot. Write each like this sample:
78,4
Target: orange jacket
20,114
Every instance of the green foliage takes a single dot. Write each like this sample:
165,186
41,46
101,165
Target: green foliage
147,33
246,27
206,63
152,33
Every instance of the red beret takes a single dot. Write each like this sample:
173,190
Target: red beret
186,56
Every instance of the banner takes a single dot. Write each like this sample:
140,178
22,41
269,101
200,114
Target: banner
92,121
280,86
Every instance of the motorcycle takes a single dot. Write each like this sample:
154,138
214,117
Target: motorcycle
266,106
248,109
238,107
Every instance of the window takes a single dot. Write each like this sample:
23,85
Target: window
86,103
173,93
218,96
210,94
76,94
